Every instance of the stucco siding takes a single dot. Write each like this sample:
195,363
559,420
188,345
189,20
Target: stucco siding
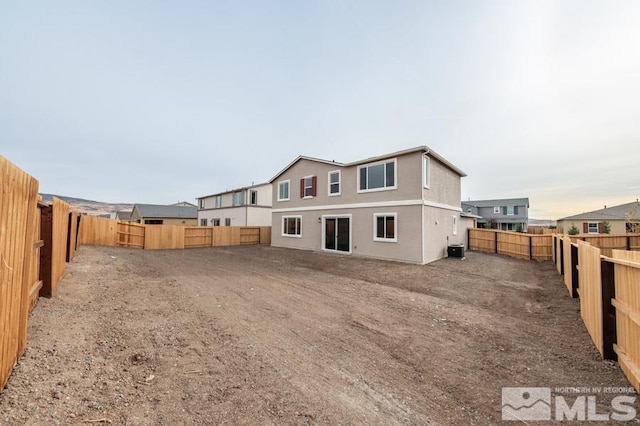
444,185
438,225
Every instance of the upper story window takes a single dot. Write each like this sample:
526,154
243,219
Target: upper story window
426,172
283,190
377,177
218,201
201,203
592,228
238,198
308,186
510,211
334,183
496,210
253,197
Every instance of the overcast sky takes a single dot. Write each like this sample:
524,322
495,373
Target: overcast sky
160,101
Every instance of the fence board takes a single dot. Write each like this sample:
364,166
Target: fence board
590,292
265,235
163,237
627,304
55,229
98,231
514,244
131,235
18,206
72,241
567,264
249,236
198,236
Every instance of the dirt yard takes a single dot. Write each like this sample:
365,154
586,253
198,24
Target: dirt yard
260,335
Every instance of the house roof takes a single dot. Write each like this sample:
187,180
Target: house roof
498,202
154,210
422,148
244,188
621,212
123,214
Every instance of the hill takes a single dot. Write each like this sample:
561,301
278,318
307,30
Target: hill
89,206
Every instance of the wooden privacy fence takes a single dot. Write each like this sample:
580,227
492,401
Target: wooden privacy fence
514,244
110,232
609,292
36,240
18,238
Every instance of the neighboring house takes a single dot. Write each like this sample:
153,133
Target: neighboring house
124,215
401,206
248,206
153,214
183,204
622,219
510,214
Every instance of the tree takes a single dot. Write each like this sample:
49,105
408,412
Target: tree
519,228
573,230
606,227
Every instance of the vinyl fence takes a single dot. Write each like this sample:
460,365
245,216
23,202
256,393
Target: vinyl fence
609,292
110,232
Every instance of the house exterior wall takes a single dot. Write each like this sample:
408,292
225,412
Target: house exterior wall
618,226
502,219
417,240
243,215
171,221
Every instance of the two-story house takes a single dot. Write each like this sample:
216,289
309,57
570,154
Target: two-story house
510,214
247,206
401,206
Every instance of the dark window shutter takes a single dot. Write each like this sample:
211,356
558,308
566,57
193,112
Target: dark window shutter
504,210
515,210
302,188
585,228
599,227
314,184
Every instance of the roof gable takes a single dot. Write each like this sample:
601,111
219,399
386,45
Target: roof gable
155,210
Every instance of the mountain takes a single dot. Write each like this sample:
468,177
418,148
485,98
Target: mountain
91,207
542,222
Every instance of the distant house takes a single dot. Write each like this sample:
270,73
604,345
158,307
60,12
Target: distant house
154,214
622,219
400,206
183,204
124,215
246,206
509,214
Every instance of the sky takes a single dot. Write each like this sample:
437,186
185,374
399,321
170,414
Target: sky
160,101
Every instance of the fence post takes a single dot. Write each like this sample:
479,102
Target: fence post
609,329
575,277
530,247
495,238
561,256
554,254
628,243
46,252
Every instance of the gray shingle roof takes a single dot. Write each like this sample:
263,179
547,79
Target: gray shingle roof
498,203
623,211
154,210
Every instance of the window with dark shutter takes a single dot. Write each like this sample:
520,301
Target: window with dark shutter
308,186
585,227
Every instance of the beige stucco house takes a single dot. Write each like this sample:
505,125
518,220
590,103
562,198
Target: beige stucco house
624,218
247,206
401,206
155,214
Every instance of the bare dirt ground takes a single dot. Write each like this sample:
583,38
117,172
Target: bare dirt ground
260,335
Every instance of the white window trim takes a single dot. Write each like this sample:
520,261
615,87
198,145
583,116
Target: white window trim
233,197
304,187
497,210
201,203
454,230
218,201
282,228
513,211
339,172
426,172
375,223
251,192
288,182
589,226
385,188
